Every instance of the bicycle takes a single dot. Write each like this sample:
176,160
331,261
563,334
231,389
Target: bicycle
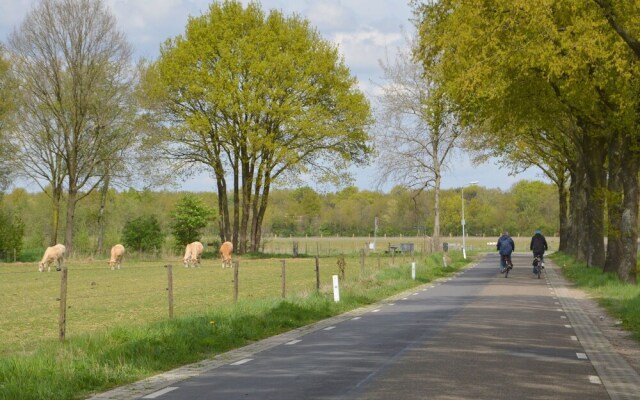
508,264
537,265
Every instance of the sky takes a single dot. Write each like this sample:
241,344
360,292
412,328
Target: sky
364,30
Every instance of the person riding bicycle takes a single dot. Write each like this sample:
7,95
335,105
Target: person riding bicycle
505,246
538,247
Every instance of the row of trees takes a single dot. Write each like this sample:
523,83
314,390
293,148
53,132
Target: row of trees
164,221
251,97
552,84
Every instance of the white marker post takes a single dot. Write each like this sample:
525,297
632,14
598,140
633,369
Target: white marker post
413,271
336,289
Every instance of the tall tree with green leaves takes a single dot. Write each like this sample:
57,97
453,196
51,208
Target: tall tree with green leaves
552,70
255,98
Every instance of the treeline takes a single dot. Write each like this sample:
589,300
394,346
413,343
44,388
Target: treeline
527,206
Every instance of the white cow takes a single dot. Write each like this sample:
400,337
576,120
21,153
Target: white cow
225,252
192,254
51,255
117,254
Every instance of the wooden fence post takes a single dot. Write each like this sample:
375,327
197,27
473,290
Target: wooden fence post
62,320
170,289
317,273
284,281
236,267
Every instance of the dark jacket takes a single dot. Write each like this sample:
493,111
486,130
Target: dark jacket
538,244
505,245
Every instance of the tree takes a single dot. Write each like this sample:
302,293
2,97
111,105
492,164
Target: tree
7,106
255,99
143,234
188,218
75,77
558,73
416,130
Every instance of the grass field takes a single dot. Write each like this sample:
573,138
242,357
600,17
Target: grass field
98,297
118,329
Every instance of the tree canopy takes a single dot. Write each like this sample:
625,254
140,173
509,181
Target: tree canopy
255,98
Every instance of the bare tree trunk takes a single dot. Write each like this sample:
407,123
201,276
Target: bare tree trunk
614,209
629,218
436,213
563,217
71,211
103,202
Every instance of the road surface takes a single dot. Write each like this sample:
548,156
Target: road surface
476,335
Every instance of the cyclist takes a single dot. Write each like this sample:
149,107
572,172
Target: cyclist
505,246
538,247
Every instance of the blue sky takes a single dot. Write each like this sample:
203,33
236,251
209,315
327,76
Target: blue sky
363,29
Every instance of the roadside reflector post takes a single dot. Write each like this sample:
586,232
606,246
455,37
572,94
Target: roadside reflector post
413,271
336,289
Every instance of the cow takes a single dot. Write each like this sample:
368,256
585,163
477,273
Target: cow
51,255
192,254
225,253
117,253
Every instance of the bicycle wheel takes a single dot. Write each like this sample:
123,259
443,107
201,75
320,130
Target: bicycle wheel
539,272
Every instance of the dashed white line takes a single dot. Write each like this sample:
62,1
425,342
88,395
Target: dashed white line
563,316
355,318
293,342
595,380
328,328
244,361
574,338
405,298
415,294
558,309
582,356
567,326
376,310
159,393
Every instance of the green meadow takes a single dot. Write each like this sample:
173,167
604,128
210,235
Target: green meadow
117,322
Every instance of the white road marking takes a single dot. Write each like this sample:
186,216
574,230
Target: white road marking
567,326
415,294
328,328
582,356
563,316
556,303
376,310
405,298
160,392
574,338
355,318
595,380
558,309
246,360
293,342
392,304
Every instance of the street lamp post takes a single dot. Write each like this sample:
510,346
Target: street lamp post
464,248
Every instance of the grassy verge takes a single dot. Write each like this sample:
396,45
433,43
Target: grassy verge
621,299
95,362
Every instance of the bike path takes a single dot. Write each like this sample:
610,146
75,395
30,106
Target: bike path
476,335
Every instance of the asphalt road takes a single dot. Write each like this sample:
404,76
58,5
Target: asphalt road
474,336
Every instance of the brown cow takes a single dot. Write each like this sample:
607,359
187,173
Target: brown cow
192,254
117,253
51,255
225,252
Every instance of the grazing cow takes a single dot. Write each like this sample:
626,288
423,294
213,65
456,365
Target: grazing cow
117,253
225,253
192,254
51,255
